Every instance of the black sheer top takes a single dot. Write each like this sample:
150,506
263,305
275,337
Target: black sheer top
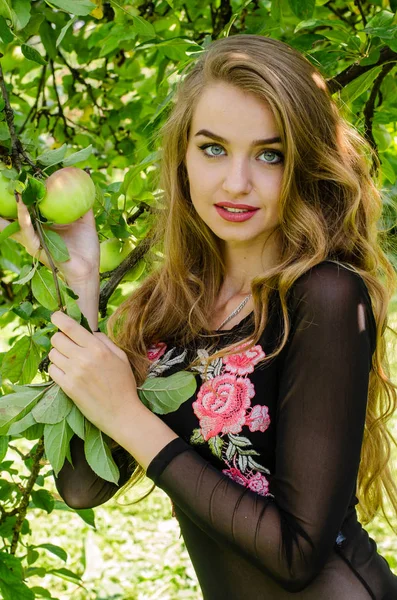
263,474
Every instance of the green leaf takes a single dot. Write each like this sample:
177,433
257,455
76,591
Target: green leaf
16,406
98,454
64,31
56,550
163,395
13,588
26,274
53,157
22,425
56,245
77,157
56,443
9,230
309,23
3,447
43,288
303,9
23,310
35,191
32,54
5,9
47,35
72,308
76,421
53,407
65,574
360,85
143,27
34,432
21,16
216,444
43,499
5,33
21,361
4,132
76,7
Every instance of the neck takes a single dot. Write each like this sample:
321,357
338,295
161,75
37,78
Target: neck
244,263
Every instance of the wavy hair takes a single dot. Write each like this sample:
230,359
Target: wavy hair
330,207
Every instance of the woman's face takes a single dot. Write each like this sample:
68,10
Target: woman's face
229,160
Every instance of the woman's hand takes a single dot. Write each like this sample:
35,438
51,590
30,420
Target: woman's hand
95,373
80,237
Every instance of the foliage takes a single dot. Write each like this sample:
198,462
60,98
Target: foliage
88,83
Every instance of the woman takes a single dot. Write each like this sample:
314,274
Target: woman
274,291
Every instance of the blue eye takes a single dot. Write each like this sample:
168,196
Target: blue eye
212,146
274,153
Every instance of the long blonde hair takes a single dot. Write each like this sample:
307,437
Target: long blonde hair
329,208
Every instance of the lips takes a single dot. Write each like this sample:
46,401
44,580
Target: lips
231,205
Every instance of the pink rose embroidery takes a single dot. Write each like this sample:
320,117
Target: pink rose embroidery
236,475
222,403
156,351
259,484
258,419
256,483
242,362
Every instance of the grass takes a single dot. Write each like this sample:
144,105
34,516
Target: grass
135,552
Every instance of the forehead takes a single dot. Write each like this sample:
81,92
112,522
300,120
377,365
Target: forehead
223,108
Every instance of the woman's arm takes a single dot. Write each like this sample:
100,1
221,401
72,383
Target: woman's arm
320,423
80,486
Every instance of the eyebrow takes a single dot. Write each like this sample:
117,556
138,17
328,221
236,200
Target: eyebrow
218,138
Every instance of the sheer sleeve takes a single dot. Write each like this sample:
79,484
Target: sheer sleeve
323,387
80,487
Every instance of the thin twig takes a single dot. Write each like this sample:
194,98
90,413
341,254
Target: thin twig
23,506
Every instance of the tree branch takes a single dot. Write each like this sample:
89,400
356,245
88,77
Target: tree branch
23,507
353,71
117,275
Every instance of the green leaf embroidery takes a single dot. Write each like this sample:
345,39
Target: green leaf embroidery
197,437
216,443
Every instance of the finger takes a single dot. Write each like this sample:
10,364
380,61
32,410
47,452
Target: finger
57,375
59,360
31,240
72,329
64,344
118,351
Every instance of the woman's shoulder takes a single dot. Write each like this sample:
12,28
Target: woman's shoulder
331,288
330,279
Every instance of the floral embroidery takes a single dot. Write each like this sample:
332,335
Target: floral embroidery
156,351
222,403
257,483
243,362
161,360
223,407
258,419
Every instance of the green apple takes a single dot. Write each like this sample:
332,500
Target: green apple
8,204
113,252
70,193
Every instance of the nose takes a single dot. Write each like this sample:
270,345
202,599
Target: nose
237,178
